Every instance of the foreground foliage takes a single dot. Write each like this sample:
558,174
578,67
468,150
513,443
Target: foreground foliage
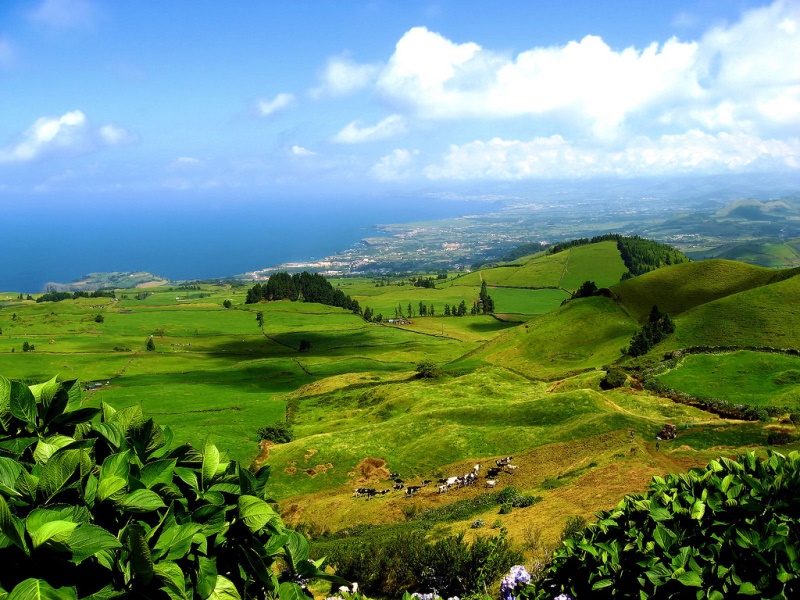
725,531
96,503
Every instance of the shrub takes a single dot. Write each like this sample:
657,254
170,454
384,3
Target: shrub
725,531
614,378
427,369
227,303
477,524
150,346
778,438
97,502
277,432
99,318
573,525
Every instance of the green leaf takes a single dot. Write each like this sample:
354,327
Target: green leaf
44,392
11,526
5,394
188,476
73,389
171,573
225,590
748,589
141,560
9,472
599,585
159,471
17,445
112,432
255,512
297,547
39,589
53,533
58,471
87,540
210,464
175,541
691,578
291,591
46,448
111,487
127,417
206,576
23,403
141,501
698,510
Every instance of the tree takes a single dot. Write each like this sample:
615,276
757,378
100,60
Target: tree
99,319
26,347
260,318
587,288
277,432
150,346
446,310
305,346
410,314
113,509
227,303
462,309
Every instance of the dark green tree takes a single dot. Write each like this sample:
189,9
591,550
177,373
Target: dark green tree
227,303
260,318
150,346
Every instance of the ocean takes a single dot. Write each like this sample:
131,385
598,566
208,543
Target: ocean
60,239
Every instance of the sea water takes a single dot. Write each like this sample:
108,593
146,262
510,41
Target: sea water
51,239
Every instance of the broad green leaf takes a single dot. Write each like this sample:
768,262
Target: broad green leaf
141,501
127,417
54,533
9,472
5,394
698,510
748,589
170,572
225,590
11,527
255,512
291,591
159,471
39,589
23,403
188,476
598,585
55,407
111,487
111,432
73,389
87,540
141,560
146,438
175,541
297,547
90,490
74,417
210,464
107,411
46,448
658,513
691,578
206,576
58,471
44,392
116,465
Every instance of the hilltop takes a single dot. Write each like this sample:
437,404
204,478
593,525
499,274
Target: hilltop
112,280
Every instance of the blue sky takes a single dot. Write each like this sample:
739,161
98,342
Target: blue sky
319,96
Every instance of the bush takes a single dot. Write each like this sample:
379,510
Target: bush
99,319
728,530
516,499
427,369
574,524
97,502
277,432
614,378
227,303
779,438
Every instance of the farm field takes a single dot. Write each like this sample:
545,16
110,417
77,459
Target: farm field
757,378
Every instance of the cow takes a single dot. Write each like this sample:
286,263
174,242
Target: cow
398,486
426,482
443,488
394,475
490,483
510,468
494,471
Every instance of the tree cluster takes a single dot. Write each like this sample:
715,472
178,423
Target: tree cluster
59,296
659,325
425,282
306,286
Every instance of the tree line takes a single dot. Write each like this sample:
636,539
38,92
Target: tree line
59,296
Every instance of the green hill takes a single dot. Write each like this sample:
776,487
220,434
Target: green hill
681,287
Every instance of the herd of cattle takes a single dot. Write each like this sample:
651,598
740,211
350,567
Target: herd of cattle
444,484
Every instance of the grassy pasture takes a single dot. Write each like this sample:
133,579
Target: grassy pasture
526,302
584,334
544,271
757,378
599,262
390,297
761,316
687,285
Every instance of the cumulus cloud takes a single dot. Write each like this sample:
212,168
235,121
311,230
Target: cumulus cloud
395,166
68,134
279,102
184,162
740,77
555,157
353,133
344,76
65,14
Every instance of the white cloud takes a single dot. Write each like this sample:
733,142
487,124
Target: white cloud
742,78
300,151
343,76
395,166
65,14
69,134
555,157
279,102
184,162
353,133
